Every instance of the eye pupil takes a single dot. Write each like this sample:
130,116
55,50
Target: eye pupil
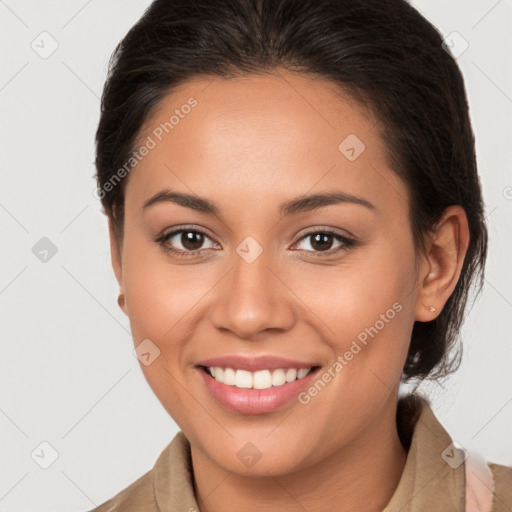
192,240
319,241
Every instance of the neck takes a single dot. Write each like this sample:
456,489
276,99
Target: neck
361,476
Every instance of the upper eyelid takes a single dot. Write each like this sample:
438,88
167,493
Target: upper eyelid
327,229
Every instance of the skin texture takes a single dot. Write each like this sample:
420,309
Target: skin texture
250,144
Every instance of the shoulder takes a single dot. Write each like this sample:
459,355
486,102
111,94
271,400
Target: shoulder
502,498
136,497
168,482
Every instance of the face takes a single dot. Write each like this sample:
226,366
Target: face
241,272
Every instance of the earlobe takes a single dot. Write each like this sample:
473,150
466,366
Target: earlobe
443,261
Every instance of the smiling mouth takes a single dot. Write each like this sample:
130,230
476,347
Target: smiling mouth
261,379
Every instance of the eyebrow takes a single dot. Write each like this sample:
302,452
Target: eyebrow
294,206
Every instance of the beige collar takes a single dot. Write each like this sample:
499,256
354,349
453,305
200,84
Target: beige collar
433,478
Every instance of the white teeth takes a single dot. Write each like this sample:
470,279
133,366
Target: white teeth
243,379
302,373
291,374
229,377
278,377
261,379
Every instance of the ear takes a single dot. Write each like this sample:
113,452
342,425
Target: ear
116,258
442,263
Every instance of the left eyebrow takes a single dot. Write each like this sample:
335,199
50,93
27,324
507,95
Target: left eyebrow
314,201
294,206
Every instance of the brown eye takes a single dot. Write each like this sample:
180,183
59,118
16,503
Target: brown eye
322,241
192,240
185,242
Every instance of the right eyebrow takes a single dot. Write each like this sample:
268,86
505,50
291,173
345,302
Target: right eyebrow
188,200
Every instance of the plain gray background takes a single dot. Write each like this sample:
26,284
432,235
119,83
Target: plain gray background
68,374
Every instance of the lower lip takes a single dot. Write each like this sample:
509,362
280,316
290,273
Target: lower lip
254,401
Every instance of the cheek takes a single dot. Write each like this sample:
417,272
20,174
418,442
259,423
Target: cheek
366,307
351,296
160,298
158,293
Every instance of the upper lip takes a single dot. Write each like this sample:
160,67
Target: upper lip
253,364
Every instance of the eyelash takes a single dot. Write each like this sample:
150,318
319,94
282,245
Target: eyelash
347,242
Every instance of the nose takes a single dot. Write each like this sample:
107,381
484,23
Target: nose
253,298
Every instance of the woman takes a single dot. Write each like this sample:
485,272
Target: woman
295,220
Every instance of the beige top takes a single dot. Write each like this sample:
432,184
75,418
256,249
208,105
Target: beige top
428,483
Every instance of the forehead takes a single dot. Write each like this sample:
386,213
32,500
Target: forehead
261,135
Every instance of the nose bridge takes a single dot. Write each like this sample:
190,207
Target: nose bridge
251,298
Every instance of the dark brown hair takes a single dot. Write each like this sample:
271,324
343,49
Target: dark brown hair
385,54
